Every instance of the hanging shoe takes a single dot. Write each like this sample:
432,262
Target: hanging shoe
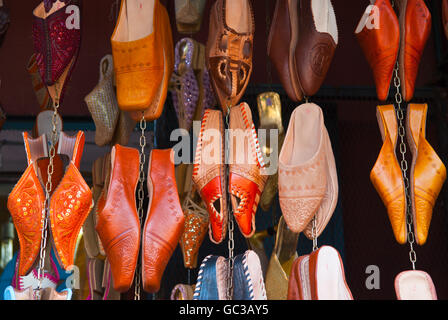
182,292
44,126
124,128
282,42
189,15
15,294
386,175
52,294
327,277
248,283
414,285
330,200
280,264
71,201
102,103
43,98
118,223
137,54
302,176
209,173
212,279
378,34
164,44
317,42
270,115
229,49
415,27
184,86
428,173
196,226
165,220
95,268
246,168
55,45
299,280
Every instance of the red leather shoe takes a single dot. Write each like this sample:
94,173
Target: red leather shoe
415,27
209,173
246,181
118,223
164,223
380,43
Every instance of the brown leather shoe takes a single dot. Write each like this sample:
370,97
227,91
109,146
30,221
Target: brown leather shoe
415,27
317,41
378,34
229,49
427,174
299,280
118,223
302,176
386,175
282,44
164,223
246,174
209,172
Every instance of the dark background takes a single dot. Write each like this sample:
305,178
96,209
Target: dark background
360,229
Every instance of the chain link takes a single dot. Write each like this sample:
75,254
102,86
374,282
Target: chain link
141,197
404,167
314,234
231,226
46,207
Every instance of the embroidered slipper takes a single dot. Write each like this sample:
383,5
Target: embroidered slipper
248,283
212,279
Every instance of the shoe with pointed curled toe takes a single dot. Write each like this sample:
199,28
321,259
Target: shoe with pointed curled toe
71,201
302,174
118,223
427,175
209,173
102,103
378,34
165,220
246,168
196,226
415,27
137,54
414,285
212,279
229,49
281,52
330,200
248,283
317,41
26,204
327,277
386,174
55,45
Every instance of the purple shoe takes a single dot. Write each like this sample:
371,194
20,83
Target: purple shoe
184,87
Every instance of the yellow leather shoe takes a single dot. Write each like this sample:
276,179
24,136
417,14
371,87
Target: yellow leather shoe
164,44
427,174
138,55
386,175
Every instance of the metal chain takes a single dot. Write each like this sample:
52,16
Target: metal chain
231,242
141,197
314,234
404,167
46,206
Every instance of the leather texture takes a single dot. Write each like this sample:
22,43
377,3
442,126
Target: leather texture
246,174
138,63
415,27
209,172
282,44
386,175
189,15
229,55
303,176
118,225
315,50
428,173
154,111
380,45
165,220
182,292
299,279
